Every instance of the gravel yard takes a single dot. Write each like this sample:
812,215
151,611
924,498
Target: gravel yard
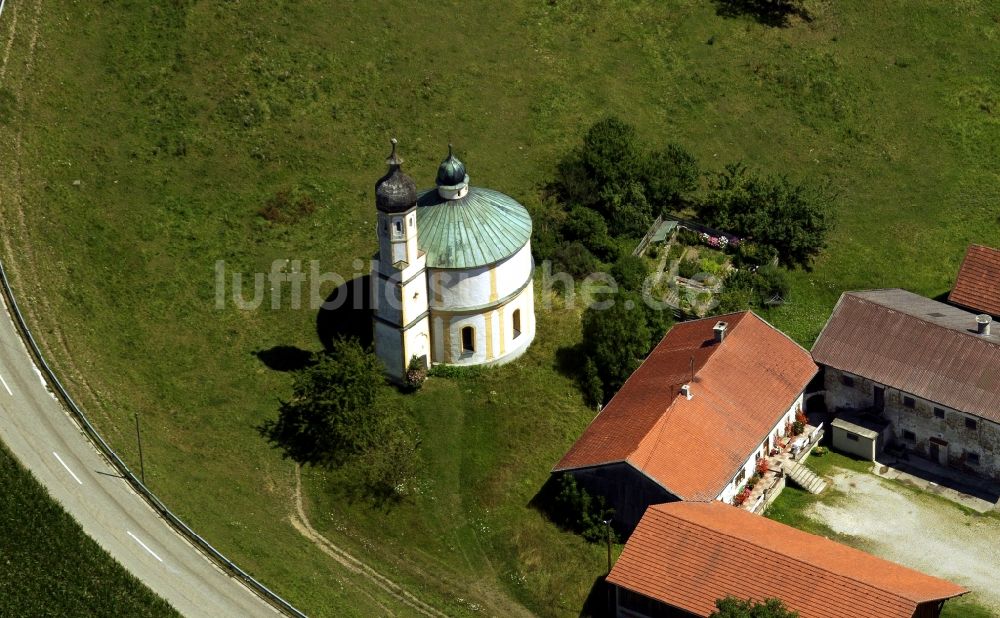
918,531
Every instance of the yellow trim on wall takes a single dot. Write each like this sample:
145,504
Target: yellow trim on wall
503,341
488,318
493,285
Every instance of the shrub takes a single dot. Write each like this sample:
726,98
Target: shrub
819,451
591,384
590,228
670,176
688,237
792,219
576,510
630,272
798,427
688,268
675,252
709,266
731,607
416,373
575,259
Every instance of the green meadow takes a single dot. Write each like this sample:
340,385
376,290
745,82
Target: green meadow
143,142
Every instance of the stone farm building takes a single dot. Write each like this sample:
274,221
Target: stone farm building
685,555
931,371
690,423
452,281
977,286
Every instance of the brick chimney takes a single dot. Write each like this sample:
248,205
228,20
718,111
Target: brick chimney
720,331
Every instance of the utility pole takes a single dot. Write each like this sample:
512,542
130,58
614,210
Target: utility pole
142,467
607,525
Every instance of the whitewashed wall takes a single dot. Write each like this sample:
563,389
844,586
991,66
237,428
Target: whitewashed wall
750,466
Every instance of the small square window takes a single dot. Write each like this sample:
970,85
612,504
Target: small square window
909,436
852,437
938,413
908,401
972,458
970,423
846,380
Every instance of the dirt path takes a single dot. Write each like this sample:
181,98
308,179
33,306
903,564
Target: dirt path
349,562
919,531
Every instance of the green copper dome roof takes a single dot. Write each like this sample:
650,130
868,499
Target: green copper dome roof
482,227
451,172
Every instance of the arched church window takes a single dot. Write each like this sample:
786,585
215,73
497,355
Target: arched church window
516,319
399,226
468,340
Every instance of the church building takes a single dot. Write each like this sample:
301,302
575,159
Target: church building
452,281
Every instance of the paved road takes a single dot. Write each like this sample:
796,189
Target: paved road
43,436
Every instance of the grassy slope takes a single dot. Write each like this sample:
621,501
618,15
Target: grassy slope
50,567
181,119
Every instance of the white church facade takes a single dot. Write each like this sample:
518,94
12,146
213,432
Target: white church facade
452,281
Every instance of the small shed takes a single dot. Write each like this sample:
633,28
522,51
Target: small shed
664,231
861,437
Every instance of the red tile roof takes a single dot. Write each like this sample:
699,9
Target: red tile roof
917,345
978,283
694,448
688,554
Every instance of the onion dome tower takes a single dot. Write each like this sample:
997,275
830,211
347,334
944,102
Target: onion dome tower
399,282
452,180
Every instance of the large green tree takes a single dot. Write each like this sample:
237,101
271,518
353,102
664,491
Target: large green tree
338,416
617,337
731,607
614,174
791,219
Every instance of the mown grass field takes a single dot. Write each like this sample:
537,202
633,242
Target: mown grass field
50,567
180,119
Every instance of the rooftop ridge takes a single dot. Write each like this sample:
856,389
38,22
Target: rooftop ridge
844,549
857,294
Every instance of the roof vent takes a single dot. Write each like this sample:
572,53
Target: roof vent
686,391
720,331
983,324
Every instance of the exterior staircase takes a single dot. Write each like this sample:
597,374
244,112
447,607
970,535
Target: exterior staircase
804,477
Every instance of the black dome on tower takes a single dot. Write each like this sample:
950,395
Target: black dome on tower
395,192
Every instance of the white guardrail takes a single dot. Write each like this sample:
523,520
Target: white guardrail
178,525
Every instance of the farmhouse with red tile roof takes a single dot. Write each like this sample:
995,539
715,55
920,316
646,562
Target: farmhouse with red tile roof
690,423
685,555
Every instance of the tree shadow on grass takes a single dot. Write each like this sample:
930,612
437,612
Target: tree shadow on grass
347,313
569,361
600,600
774,13
286,358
